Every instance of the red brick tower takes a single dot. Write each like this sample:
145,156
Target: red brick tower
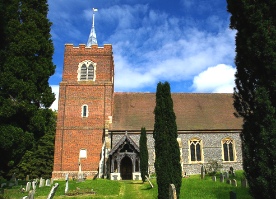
85,105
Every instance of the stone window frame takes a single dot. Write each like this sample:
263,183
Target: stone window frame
190,141
223,141
84,110
84,72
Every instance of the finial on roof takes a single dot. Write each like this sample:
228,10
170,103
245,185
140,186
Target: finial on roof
92,37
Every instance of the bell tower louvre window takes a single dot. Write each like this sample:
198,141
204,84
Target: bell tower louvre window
86,71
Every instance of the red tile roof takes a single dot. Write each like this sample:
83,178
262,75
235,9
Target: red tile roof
194,111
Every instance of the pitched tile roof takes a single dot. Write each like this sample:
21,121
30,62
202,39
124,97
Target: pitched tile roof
194,111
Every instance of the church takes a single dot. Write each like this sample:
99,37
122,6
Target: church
98,129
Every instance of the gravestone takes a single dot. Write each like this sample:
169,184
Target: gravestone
11,184
221,177
228,181
202,172
42,182
34,185
172,192
31,194
27,178
48,183
67,183
80,177
233,195
52,181
234,183
53,191
214,178
244,182
3,184
28,186
13,178
149,181
231,171
226,175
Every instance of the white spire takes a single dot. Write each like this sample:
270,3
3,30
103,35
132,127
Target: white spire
92,37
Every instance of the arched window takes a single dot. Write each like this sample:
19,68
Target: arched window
86,71
84,111
196,150
228,149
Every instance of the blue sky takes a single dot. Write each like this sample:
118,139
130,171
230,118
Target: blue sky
185,42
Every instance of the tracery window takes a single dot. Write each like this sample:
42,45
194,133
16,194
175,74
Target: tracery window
195,150
228,149
84,111
86,71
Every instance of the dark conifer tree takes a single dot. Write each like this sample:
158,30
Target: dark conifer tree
167,162
255,91
144,155
25,67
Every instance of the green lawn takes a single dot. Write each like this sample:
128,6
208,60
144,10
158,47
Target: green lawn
192,187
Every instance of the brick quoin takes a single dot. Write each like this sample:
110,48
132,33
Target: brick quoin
73,131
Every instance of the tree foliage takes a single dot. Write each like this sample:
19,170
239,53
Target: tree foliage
144,155
167,162
25,67
255,91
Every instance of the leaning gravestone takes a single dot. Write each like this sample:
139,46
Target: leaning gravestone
172,192
67,183
221,177
53,191
28,186
202,172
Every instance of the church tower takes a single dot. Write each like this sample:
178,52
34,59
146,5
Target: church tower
84,108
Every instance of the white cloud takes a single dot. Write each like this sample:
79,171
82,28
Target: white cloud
217,79
55,89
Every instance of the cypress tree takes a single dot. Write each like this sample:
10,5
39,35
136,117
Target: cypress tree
255,91
25,68
144,156
167,162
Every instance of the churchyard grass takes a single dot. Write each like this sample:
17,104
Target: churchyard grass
192,187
